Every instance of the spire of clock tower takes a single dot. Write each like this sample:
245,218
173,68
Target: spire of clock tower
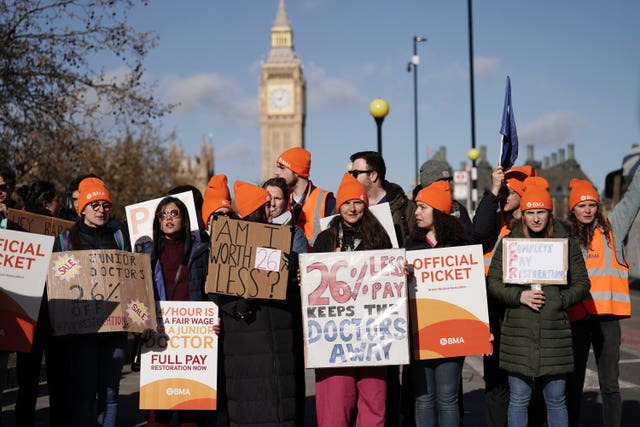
281,38
281,95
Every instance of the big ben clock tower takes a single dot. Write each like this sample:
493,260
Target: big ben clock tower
281,95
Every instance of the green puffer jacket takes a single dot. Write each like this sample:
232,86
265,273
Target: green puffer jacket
536,344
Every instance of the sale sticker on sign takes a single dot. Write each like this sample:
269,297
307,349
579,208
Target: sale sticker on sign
179,364
448,302
354,308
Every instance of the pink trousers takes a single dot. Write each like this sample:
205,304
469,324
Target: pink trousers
339,390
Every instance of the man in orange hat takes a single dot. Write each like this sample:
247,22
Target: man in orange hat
308,202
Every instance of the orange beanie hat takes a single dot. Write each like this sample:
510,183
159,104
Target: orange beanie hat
351,189
516,175
581,190
249,197
520,172
536,194
515,185
92,189
297,159
438,196
216,196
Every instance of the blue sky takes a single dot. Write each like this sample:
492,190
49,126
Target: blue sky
574,68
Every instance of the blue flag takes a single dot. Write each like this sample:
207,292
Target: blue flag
509,143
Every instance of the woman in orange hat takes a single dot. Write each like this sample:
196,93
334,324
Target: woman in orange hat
536,345
436,382
262,341
340,390
596,320
96,359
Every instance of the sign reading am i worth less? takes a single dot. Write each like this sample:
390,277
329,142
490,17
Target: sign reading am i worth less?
179,364
24,258
354,308
100,291
543,261
448,302
249,259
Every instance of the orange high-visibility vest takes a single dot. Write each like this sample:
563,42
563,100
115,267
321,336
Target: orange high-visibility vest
488,256
312,210
609,294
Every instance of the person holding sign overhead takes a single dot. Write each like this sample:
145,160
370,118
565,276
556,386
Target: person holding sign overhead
536,345
262,341
340,390
596,320
436,381
96,359
179,263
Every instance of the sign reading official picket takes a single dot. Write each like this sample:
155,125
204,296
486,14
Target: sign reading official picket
24,258
354,308
527,261
448,298
179,364
100,291
249,259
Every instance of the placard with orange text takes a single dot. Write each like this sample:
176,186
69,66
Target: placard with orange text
354,308
526,261
179,364
448,302
140,219
24,258
100,290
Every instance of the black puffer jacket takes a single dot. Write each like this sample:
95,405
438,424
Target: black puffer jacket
536,344
263,357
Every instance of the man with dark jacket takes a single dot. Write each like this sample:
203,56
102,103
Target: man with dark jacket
369,169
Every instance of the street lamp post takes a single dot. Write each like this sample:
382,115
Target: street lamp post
379,108
415,60
472,153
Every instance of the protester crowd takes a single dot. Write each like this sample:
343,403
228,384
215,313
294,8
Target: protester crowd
541,337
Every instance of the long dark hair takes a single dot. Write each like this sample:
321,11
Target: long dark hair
584,232
37,195
448,229
159,236
374,236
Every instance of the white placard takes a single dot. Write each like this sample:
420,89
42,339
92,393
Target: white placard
354,308
526,261
140,218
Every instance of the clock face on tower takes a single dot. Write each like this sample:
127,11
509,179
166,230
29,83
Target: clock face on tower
280,99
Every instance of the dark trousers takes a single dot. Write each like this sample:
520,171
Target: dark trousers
28,374
603,332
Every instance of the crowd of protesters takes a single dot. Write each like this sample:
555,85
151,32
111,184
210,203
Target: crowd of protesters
541,337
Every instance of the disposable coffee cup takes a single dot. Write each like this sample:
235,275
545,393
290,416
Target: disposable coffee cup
536,287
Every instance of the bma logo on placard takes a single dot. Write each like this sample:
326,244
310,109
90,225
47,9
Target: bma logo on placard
451,340
178,392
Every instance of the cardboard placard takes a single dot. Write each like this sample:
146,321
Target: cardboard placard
249,259
354,308
179,365
448,302
39,224
543,261
100,291
382,212
24,259
140,218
